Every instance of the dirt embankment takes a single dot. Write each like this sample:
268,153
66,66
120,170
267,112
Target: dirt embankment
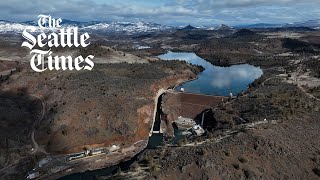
119,111
113,104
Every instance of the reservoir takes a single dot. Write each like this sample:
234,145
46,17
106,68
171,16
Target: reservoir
215,80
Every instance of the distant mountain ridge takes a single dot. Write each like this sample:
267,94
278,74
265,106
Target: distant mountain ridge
66,22
145,27
96,26
260,25
189,27
309,23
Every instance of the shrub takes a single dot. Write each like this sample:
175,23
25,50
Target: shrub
185,140
209,135
316,171
236,166
243,160
154,168
149,160
134,166
249,174
203,152
228,153
180,143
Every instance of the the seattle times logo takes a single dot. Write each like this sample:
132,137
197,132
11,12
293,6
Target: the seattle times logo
43,60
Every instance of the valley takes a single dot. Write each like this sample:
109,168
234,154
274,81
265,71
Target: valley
61,123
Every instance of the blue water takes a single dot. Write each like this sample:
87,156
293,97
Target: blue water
215,80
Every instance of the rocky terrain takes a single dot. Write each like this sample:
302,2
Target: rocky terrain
285,98
269,131
62,112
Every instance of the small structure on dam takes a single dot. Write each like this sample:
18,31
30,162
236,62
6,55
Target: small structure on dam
198,130
184,123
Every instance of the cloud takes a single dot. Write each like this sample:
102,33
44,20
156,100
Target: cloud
226,77
179,12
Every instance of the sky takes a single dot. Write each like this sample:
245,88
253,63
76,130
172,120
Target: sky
167,12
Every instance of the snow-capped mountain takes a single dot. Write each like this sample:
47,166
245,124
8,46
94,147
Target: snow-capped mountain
139,27
9,27
66,23
94,26
221,27
128,27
